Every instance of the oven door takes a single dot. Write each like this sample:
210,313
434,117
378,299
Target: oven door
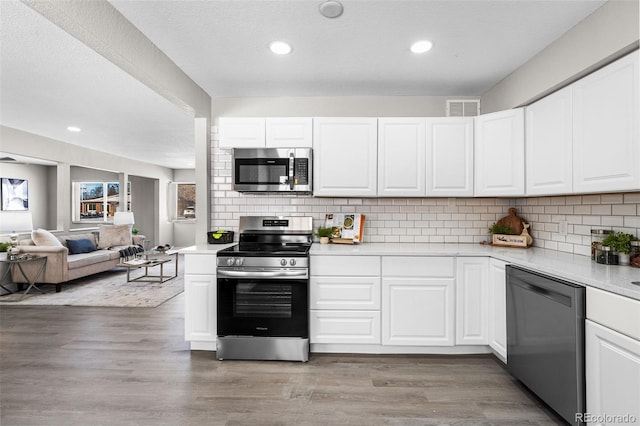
263,303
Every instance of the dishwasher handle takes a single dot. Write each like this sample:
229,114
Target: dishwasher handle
544,292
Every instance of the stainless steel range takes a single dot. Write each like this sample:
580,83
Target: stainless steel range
263,290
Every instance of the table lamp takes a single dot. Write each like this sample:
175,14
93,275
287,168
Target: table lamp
15,222
123,218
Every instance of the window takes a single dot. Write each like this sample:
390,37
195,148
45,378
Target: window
184,195
97,201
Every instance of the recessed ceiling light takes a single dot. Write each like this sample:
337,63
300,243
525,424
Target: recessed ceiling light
421,46
74,129
280,48
331,9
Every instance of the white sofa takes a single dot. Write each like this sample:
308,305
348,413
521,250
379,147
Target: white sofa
62,266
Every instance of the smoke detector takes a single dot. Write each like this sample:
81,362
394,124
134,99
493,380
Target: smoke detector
331,9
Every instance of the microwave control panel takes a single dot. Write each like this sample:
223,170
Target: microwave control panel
301,171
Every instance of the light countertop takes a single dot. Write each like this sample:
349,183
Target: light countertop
575,268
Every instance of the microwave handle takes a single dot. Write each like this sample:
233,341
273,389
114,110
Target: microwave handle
291,165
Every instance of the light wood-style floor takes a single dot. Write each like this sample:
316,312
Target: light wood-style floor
131,366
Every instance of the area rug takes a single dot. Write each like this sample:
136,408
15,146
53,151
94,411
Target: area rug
108,288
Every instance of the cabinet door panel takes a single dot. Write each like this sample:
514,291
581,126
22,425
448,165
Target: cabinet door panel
347,327
605,128
417,312
401,157
472,302
549,144
345,157
417,266
200,307
612,372
345,293
499,153
242,132
289,132
449,157
345,265
498,307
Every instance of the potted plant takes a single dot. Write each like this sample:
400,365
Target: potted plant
324,234
4,248
621,243
498,228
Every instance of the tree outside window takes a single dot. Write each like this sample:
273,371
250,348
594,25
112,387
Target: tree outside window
186,201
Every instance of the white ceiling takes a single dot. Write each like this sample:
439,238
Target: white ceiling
50,80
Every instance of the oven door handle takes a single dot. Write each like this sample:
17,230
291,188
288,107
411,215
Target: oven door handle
262,274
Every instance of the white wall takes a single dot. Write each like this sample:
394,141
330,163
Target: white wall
605,35
39,194
333,106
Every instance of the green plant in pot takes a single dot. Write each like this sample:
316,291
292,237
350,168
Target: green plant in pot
497,228
620,242
5,246
324,234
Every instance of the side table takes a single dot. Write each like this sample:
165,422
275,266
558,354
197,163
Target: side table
17,263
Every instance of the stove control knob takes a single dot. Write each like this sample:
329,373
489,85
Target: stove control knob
239,261
292,262
283,262
230,261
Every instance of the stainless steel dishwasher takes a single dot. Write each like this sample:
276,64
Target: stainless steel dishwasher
545,339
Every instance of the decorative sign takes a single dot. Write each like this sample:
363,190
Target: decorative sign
15,194
509,240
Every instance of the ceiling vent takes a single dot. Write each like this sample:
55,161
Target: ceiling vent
463,108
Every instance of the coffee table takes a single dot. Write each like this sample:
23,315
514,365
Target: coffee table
158,255
146,264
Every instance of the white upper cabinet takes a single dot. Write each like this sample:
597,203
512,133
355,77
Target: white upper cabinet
289,132
548,144
401,157
285,132
345,157
499,154
241,132
605,128
449,161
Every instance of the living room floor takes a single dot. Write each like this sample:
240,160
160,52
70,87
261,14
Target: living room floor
62,365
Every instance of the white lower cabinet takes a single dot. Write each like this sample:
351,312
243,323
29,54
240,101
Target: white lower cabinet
349,327
613,375
200,301
472,301
344,300
612,341
417,301
498,307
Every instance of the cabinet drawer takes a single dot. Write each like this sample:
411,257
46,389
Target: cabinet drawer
345,327
617,312
417,266
345,265
200,264
358,293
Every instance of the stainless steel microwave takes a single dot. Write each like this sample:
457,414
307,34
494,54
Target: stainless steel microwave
272,170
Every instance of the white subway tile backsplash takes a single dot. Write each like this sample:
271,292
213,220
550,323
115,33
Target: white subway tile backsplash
435,220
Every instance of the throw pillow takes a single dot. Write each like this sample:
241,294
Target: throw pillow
114,235
81,246
43,237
